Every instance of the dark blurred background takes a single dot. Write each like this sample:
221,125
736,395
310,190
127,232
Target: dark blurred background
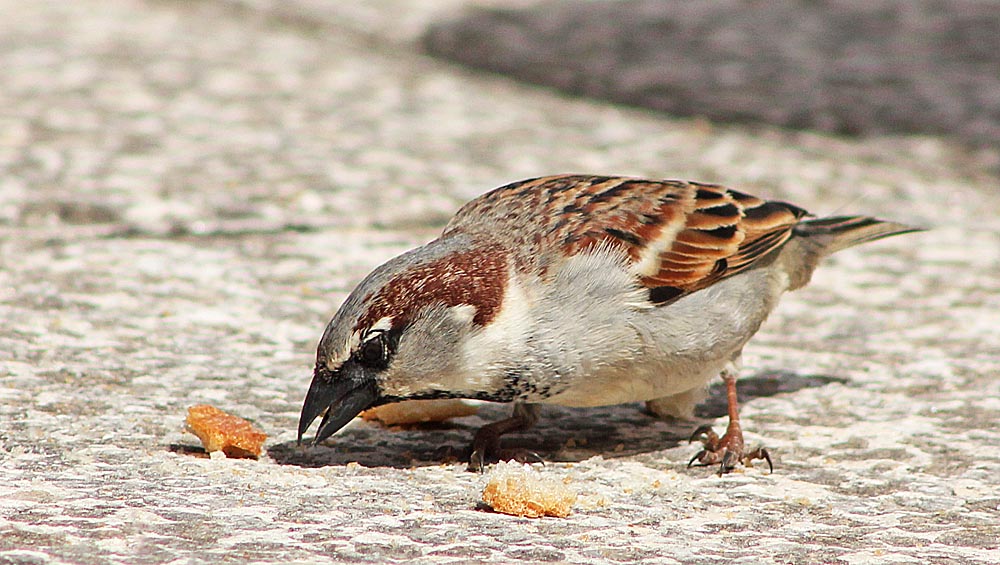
844,66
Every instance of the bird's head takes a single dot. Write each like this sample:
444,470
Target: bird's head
405,331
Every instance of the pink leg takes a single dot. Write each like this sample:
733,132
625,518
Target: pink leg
728,450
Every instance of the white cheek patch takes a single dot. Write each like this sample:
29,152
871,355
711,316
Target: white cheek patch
463,313
501,341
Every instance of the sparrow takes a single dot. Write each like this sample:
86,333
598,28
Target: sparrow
576,290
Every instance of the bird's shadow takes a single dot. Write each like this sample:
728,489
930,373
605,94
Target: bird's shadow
562,434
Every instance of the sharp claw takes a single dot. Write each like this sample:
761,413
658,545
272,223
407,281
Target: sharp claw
486,443
763,454
531,457
726,451
700,431
477,462
697,457
729,461
484,450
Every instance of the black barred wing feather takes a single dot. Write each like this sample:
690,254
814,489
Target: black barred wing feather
680,236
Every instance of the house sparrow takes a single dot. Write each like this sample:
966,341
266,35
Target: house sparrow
576,290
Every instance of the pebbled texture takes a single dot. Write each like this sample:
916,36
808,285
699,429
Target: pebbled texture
188,190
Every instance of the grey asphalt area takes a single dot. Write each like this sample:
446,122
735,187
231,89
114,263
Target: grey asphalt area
188,190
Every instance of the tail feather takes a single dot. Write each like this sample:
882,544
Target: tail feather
840,232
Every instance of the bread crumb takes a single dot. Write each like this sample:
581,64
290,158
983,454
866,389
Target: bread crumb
221,431
420,411
519,490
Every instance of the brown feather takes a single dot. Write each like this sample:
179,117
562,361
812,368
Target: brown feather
681,235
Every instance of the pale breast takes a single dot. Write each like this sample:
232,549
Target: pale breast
613,352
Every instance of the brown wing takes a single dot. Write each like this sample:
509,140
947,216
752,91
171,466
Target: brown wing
680,236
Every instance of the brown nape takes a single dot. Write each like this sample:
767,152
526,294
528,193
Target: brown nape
475,277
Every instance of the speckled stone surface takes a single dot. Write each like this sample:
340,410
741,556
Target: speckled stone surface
189,190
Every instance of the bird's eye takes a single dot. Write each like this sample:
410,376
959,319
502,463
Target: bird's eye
373,352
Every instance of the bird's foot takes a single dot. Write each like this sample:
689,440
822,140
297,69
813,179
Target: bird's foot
726,451
486,445
484,456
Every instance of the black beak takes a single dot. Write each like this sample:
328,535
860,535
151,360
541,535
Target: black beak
343,394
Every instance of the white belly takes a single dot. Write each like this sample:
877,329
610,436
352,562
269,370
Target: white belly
639,385
610,352
593,339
